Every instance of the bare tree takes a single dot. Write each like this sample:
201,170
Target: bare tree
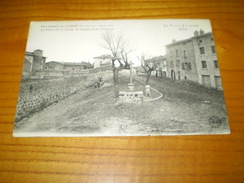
149,65
120,48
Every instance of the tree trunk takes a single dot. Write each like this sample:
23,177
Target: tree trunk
148,77
116,78
116,81
116,75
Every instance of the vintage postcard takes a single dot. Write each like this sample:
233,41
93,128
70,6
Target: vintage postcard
120,78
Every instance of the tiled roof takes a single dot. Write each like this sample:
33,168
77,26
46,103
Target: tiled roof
29,53
54,62
189,39
32,54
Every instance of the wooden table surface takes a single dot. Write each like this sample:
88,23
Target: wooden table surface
208,158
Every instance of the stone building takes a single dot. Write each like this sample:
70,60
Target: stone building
33,61
67,66
160,63
53,66
194,59
76,67
35,66
103,61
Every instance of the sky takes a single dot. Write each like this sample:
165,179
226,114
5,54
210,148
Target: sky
76,41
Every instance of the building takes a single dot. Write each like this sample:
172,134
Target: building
67,66
76,67
160,63
194,59
53,66
103,61
35,66
33,61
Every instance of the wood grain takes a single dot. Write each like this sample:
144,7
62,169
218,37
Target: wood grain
216,158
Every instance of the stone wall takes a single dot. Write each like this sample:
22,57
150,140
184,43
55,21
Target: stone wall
131,97
35,95
42,74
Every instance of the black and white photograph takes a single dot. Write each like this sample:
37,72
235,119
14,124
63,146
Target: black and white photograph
120,78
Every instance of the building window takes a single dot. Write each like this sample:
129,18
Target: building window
186,66
204,65
200,41
179,77
185,53
202,50
172,64
213,49
216,65
177,63
177,53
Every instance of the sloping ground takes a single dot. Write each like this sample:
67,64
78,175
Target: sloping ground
186,90
96,112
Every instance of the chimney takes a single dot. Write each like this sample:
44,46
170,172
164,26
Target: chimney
196,33
201,32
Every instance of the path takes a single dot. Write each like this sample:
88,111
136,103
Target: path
43,120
